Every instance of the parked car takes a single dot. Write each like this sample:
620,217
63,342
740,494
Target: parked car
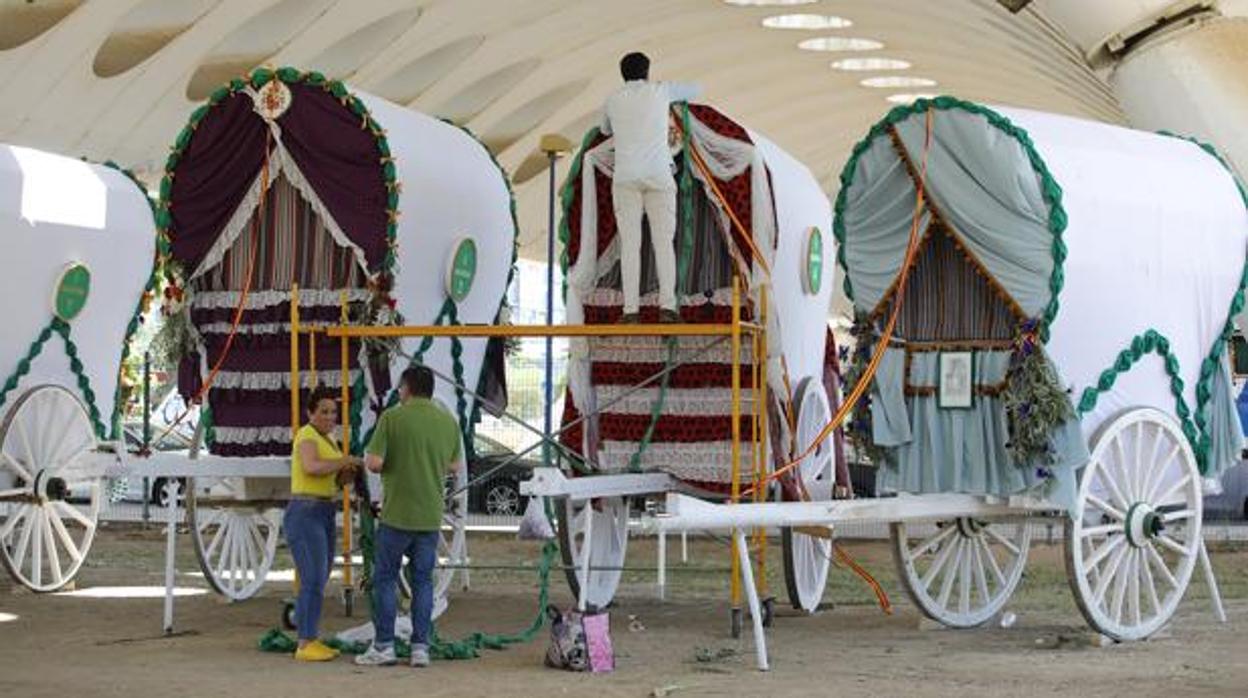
163,440
1233,502
499,493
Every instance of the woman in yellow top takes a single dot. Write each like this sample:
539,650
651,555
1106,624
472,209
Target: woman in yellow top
317,465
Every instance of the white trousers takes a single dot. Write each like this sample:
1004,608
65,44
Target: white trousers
657,196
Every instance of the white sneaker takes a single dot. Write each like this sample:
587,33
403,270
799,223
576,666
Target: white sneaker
420,656
376,657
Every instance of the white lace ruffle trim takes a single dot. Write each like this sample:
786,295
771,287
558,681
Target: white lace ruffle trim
278,380
259,300
250,435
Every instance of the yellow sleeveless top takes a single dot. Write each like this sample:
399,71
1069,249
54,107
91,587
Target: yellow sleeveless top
312,485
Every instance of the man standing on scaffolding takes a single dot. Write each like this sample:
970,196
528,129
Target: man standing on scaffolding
637,115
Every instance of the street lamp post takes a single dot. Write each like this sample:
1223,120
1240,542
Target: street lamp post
553,145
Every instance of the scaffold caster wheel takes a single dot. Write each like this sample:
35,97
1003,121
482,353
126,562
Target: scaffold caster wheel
288,615
769,611
348,601
736,623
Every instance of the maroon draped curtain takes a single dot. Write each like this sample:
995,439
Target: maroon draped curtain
338,157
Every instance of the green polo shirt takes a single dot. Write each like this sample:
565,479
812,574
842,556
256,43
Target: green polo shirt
417,440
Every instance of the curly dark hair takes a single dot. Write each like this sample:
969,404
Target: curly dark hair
318,395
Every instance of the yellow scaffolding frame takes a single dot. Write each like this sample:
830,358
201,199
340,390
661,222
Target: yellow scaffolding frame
755,332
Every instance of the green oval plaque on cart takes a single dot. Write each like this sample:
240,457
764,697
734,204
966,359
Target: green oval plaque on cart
814,260
72,290
461,269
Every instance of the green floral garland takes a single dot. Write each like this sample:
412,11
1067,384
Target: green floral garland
1049,189
858,428
1035,403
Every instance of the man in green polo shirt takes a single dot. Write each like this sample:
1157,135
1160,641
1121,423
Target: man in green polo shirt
415,445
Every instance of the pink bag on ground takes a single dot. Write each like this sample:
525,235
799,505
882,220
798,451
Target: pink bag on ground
598,642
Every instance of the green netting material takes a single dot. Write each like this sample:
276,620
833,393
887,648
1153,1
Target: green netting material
1049,188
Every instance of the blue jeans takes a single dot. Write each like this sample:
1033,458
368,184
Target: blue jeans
310,528
421,548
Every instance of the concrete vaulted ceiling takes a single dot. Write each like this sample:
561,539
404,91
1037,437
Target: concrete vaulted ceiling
116,79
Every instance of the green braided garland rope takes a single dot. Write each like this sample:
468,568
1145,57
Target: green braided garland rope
61,328
1151,342
23,365
511,271
1049,188
1209,366
468,647
120,395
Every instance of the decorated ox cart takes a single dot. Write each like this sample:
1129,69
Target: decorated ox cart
1043,309
288,193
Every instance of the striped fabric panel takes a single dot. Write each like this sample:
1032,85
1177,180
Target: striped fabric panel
949,299
291,237
251,399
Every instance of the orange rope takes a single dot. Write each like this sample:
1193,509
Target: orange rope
886,336
242,300
881,596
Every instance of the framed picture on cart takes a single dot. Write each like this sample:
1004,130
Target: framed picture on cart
956,389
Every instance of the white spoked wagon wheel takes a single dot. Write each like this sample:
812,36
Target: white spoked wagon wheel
44,538
962,573
609,544
1133,537
235,544
806,557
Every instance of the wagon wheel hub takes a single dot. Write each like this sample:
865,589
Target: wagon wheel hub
46,488
1142,524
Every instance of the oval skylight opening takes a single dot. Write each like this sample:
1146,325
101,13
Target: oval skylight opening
21,22
145,30
908,97
800,21
893,81
839,43
872,63
771,3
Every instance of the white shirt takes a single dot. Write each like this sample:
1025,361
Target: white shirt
637,116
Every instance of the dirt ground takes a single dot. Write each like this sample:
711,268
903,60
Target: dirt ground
74,645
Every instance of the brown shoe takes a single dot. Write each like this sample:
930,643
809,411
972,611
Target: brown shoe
669,316
629,319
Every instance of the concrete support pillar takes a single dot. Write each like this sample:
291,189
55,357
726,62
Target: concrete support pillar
1191,81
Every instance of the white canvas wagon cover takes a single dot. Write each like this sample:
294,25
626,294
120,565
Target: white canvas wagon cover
55,212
